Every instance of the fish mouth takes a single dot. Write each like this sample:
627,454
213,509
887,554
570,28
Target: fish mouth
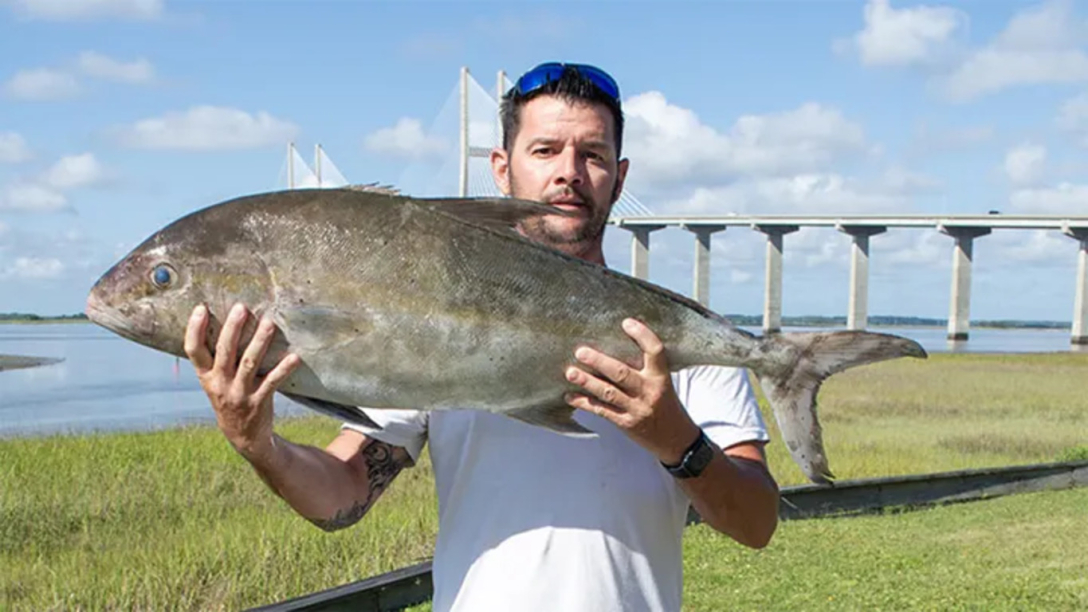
104,316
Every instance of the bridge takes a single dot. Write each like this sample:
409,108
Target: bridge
469,120
962,229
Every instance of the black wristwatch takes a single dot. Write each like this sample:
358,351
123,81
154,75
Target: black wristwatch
694,460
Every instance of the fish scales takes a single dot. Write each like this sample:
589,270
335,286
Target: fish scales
437,304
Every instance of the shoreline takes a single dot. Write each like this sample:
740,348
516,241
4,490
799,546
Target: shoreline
18,362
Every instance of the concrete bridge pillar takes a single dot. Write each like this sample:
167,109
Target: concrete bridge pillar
772,300
640,249
959,315
1080,300
701,273
857,316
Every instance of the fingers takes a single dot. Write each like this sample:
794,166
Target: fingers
255,352
283,369
195,347
653,348
598,389
226,349
594,405
614,370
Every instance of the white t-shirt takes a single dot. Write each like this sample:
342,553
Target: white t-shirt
530,519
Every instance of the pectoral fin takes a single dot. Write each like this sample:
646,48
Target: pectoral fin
556,417
341,412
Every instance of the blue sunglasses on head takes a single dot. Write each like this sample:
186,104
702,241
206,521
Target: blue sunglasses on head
551,71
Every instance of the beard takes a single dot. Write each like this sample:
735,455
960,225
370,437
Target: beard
540,229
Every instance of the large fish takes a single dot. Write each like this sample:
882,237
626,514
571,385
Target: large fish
437,304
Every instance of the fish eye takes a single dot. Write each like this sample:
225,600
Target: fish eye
163,275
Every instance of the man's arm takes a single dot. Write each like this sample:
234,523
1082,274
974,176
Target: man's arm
332,487
735,494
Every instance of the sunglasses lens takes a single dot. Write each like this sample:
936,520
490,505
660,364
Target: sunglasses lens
542,74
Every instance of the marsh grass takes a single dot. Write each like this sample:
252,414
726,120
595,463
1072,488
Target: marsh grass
947,412
176,520
1022,552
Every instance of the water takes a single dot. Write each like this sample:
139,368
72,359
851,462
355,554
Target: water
105,383
108,383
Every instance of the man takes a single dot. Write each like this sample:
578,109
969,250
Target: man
530,519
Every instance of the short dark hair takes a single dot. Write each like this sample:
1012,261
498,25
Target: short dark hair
571,86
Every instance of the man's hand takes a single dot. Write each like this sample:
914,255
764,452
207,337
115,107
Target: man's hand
736,494
642,403
242,400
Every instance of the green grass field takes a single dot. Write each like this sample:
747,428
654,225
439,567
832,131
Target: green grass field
175,520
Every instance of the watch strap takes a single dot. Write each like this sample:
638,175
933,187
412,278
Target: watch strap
694,460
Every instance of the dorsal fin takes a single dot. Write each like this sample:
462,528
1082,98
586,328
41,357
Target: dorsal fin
498,213
374,188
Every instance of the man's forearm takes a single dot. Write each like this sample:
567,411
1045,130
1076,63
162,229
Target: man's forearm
321,487
736,496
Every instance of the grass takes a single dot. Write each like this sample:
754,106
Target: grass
1023,552
175,520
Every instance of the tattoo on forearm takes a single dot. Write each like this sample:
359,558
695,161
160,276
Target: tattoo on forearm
382,464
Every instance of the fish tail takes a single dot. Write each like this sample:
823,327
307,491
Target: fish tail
810,358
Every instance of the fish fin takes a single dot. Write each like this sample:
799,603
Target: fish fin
814,356
373,188
315,327
341,412
496,213
556,417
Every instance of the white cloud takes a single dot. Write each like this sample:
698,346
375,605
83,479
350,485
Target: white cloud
1024,163
13,148
669,143
1043,44
405,139
74,171
206,128
1063,198
810,193
32,197
1033,247
46,192
65,10
913,248
104,67
1073,117
42,84
904,37
33,268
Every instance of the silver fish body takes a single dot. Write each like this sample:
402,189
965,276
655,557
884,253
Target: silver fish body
438,304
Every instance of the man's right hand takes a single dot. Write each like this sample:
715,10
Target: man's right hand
242,400
333,488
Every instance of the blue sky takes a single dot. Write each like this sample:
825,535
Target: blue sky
119,116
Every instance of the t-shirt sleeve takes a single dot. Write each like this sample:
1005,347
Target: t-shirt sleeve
407,428
721,401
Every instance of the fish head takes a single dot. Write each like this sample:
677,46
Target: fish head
150,294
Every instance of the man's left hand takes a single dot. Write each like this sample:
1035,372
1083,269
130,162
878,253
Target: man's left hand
642,403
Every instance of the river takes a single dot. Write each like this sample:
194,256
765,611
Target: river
106,383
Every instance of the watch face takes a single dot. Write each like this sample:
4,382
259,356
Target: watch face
701,457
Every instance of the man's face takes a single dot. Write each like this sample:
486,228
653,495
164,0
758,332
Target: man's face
564,154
